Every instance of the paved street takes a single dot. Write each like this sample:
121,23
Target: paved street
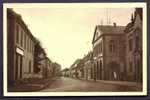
64,84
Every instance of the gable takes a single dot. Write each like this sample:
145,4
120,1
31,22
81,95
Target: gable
138,22
97,34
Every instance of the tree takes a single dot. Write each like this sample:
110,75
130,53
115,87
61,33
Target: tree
37,51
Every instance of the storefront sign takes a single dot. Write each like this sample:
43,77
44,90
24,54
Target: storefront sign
19,51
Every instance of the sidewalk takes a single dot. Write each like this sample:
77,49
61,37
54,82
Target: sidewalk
32,86
123,83
135,85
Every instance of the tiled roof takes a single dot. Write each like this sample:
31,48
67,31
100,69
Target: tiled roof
108,29
111,29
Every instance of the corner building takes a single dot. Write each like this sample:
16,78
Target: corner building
134,46
109,52
20,48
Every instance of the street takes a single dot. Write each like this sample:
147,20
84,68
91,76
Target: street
64,84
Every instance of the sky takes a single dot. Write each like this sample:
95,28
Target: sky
66,33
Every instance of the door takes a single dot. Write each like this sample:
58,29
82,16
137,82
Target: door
21,66
16,69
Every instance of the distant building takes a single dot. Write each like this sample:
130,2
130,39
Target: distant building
42,65
56,69
109,52
88,65
20,44
80,69
65,72
134,46
49,68
73,69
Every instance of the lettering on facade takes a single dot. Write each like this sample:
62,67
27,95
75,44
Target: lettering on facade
19,51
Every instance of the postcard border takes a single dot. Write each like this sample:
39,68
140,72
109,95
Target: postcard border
143,5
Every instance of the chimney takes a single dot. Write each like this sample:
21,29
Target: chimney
114,24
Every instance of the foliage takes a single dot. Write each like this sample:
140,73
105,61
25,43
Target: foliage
38,51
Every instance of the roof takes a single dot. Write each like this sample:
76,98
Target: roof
75,63
48,59
138,11
19,18
130,25
66,69
109,29
88,56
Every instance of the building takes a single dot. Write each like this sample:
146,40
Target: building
74,69
49,68
20,48
42,65
134,50
80,69
88,64
56,69
65,72
108,52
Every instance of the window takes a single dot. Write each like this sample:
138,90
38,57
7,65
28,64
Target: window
29,66
25,41
17,33
28,44
32,48
100,47
112,48
21,37
137,42
130,44
131,66
31,45
97,49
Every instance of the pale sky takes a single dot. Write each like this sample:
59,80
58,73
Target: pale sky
66,34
